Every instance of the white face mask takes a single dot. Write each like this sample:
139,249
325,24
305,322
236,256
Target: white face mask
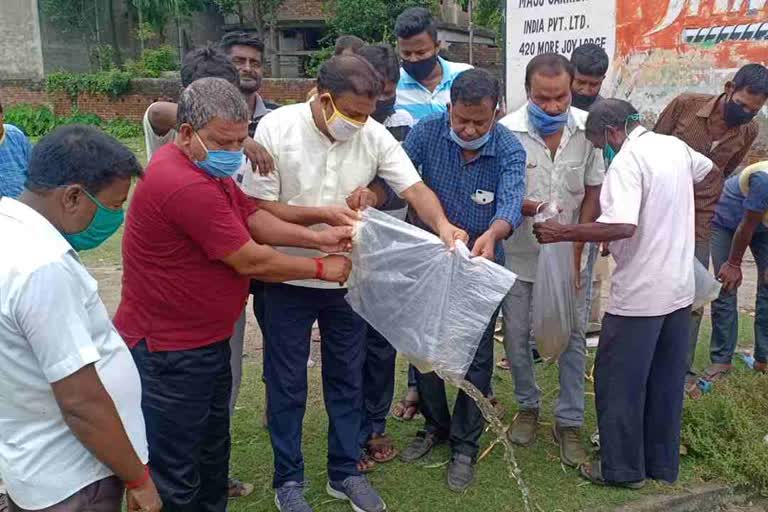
341,127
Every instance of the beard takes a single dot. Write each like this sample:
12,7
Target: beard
250,84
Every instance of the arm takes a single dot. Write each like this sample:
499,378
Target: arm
667,120
162,117
590,211
736,159
266,228
429,210
310,215
730,273
551,232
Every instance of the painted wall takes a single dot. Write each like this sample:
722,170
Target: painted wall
20,46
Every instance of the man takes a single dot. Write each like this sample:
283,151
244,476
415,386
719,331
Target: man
70,402
477,170
562,168
590,65
425,82
327,151
722,128
190,228
15,150
648,216
740,221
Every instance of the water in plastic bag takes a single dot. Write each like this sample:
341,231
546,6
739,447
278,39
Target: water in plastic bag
707,287
432,304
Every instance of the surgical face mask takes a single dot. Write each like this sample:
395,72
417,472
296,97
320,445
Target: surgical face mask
582,101
220,163
609,152
544,123
420,69
471,145
384,109
736,115
103,225
341,127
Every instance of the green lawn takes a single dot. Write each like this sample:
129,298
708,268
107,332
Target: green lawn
421,487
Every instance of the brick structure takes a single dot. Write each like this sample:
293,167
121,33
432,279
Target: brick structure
484,56
298,9
132,106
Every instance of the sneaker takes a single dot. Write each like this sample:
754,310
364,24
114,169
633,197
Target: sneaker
461,473
420,446
358,492
523,431
290,498
572,451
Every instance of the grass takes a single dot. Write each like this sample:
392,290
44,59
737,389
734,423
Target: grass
723,433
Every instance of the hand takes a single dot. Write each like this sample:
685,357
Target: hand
578,250
485,247
605,249
334,239
340,216
361,198
144,498
336,269
259,157
730,276
450,233
549,232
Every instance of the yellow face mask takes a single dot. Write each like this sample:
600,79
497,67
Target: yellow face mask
341,127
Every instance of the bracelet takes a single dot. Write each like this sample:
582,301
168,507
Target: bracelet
539,207
732,265
319,268
135,484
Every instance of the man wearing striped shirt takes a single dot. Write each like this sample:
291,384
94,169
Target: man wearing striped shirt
426,79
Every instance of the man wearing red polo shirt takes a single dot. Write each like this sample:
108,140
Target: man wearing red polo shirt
188,255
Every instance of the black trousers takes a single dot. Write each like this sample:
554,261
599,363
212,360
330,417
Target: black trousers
465,427
639,386
378,384
185,401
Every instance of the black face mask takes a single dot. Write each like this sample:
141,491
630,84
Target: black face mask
420,69
736,115
384,109
582,101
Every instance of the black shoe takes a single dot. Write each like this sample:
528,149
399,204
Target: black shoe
461,473
420,446
536,356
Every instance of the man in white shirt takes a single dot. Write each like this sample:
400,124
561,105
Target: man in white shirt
648,218
73,435
562,168
326,152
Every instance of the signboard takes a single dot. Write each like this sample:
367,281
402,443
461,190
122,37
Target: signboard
552,26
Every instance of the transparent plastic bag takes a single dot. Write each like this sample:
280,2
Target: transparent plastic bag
554,303
707,287
432,304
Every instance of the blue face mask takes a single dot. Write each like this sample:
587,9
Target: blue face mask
471,145
103,225
220,163
544,123
608,153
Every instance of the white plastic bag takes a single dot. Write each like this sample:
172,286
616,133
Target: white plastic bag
554,304
707,287
432,304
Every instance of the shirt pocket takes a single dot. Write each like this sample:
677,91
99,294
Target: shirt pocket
573,176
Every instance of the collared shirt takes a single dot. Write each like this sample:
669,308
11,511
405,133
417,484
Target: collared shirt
734,203
419,101
650,185
474,194
52,324
15,151
562,179
687,117
310,170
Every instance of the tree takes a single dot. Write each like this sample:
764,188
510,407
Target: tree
157,13
371,20
72,16
263,13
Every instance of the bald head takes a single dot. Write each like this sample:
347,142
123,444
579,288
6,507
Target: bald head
349,74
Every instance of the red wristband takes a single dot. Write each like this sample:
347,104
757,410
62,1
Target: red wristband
320,268
135,484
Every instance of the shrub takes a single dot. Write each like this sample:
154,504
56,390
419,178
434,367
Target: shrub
34,121
153,62
111,83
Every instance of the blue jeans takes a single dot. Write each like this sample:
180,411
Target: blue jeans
290,312
725,311
589,291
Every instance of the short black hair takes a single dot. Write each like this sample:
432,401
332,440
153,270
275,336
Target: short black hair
753,78
414,21
349,73
347,42
208,62
383,59
79,154
231,39
611,112
475,85
548,64
590,59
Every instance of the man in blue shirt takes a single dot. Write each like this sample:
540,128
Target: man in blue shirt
477,169
14,159
741,221
426,79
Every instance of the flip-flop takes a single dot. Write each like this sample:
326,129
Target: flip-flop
692,389
593,472
403,406
238,489
366,464
713,374
378,445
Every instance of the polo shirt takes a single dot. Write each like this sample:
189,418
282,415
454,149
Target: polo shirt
473,193
177,292
650,185
734,204
419,101
15,151
562,179
310,170
52,324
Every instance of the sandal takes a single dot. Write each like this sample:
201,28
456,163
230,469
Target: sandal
593,472
405,410
692,389
238,489
503,364
717,371
381,448
366,464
